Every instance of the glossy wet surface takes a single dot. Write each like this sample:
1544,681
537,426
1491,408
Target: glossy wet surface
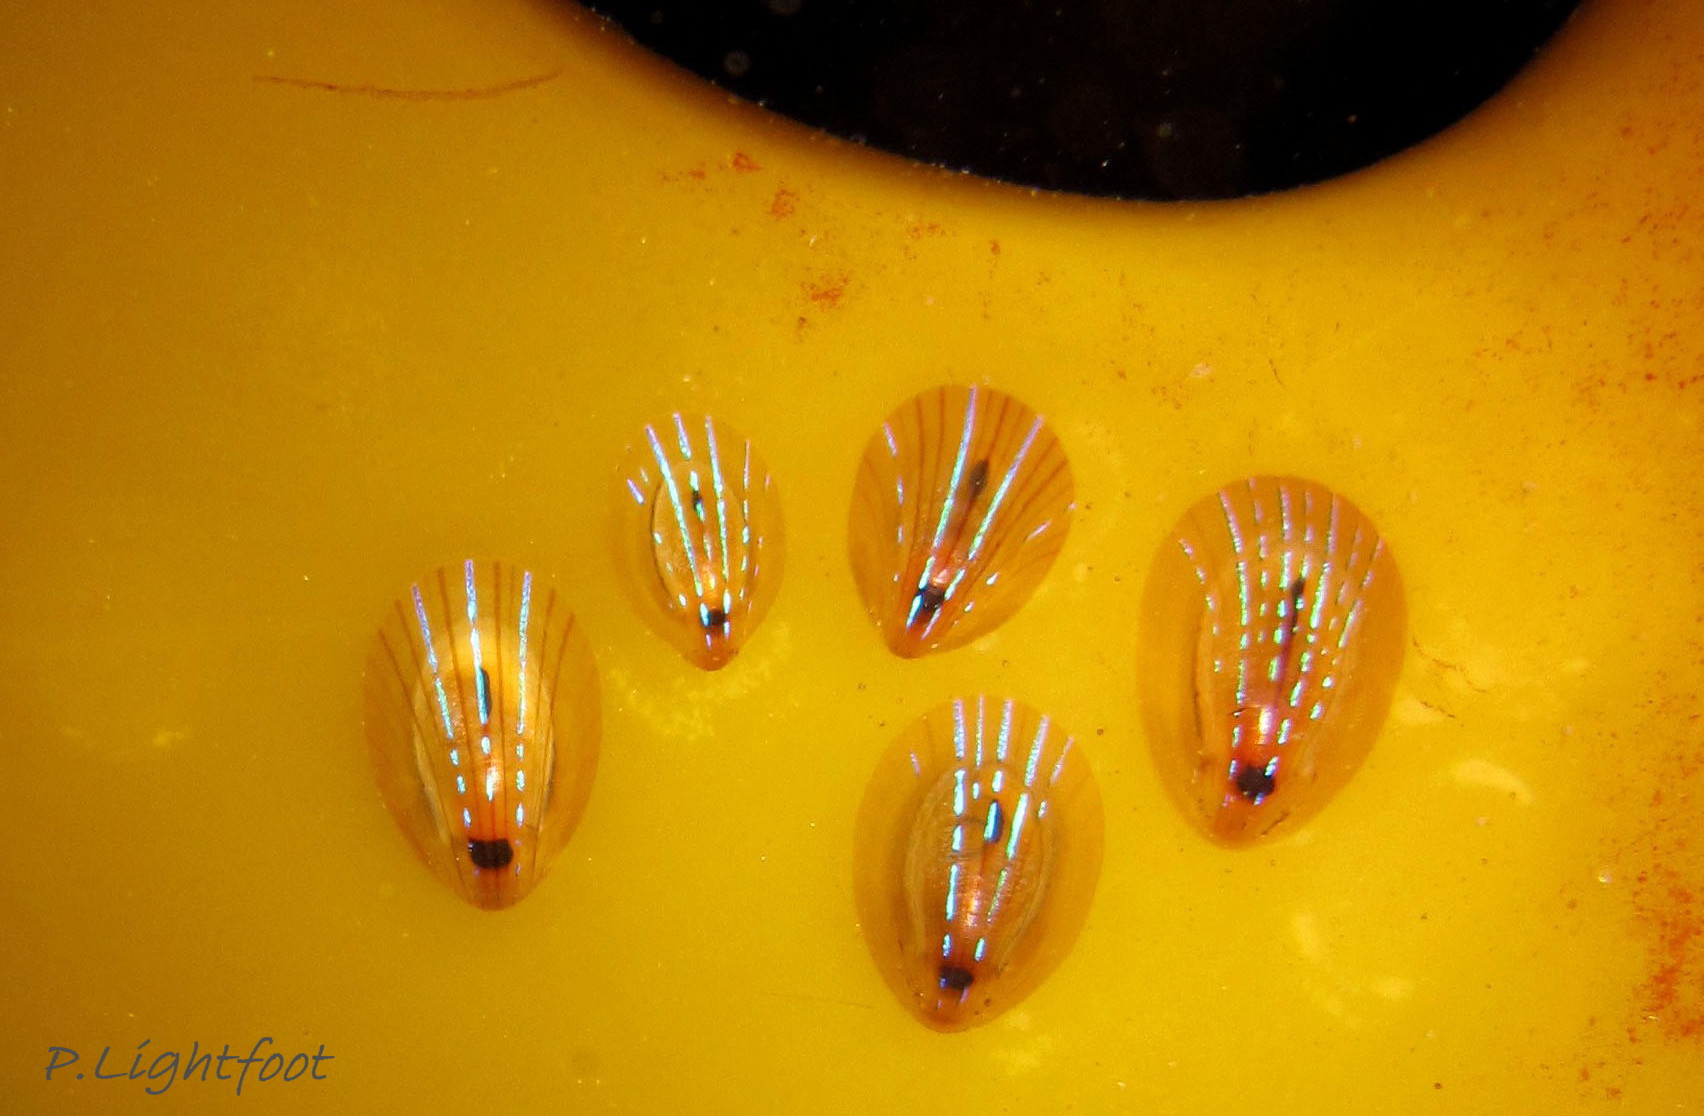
300,304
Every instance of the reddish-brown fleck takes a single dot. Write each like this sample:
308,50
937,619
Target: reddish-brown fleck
744,163
827,290
1674,992
784,204
1666,887
697,173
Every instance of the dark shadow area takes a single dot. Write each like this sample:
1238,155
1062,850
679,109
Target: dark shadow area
1160,99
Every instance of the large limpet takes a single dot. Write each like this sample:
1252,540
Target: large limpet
1272,637
483,717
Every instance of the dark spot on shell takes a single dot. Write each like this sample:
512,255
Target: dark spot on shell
491,854
714,618
977,480
1254,783
929,600
955,978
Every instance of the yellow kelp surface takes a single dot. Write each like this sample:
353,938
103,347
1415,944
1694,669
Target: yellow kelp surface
299,301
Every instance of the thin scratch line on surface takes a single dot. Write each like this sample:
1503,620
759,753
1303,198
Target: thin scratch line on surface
386,93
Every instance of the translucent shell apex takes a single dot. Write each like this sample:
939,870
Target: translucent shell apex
1273,633
978,849
962,503
483,717
698,536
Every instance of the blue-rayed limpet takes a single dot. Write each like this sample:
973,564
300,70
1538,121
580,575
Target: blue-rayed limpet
483,717
978,849
962,503
698,535
1273,633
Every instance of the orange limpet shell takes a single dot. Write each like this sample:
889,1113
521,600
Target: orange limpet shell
978,849
962,503
698,536
1273,633
483,718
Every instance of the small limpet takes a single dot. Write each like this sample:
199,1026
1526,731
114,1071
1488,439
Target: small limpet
698,535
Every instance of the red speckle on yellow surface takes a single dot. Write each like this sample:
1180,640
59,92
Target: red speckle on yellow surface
1665,891
1670,908
1672,996
784,204
744,163
697,174
827,290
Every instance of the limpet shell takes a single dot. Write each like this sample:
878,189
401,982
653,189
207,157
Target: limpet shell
978,849
483,717
962,503
1273,633
698,535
